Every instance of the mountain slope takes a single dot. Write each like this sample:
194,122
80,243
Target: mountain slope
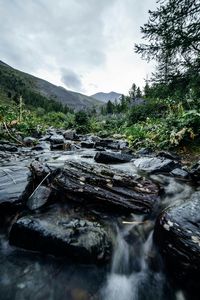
105,97
14,82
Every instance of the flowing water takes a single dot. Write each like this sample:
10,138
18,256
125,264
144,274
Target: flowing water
136,271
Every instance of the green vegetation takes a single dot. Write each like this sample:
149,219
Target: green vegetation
165,115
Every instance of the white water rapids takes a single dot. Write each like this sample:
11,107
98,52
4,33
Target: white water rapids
137,271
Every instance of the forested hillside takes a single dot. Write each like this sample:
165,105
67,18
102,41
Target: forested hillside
38,92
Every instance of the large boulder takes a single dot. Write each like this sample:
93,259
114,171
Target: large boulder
14,187
155,164
112,157
61,235
177,234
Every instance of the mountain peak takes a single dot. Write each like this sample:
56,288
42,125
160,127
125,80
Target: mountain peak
105,97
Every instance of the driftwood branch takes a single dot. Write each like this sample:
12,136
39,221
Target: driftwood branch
10,135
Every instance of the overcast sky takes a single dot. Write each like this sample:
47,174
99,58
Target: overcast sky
83,45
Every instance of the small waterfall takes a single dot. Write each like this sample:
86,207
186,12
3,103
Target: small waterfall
131,276
121,257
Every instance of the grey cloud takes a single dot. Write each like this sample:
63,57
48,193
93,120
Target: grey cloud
76,35
63,32
71,80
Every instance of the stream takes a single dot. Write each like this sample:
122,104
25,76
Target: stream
136,270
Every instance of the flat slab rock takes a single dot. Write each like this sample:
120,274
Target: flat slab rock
58,234
101,186
112,157
14,186
177,233
155,164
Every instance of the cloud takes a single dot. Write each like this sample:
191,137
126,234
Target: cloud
91,37
44,32
71,80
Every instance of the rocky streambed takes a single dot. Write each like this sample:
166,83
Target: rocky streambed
85,218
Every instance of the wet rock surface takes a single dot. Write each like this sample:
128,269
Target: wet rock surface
112,157
180,173
14,187
38,198
6,146
58,234
155,165
177,233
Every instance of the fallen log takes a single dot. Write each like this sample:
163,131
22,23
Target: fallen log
100,186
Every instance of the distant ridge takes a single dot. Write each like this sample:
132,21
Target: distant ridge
10,77
105,97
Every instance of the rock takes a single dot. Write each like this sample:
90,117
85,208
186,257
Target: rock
58,234
155,165
123,145
144,151
112,157
57,139
29,141
168,155
75,147
107,143
180,173
14,187
94,138
42,146
58,147
114,145
100,149
70,134
111,144
45,138
39,197
195,172
39,171
8,147
102,143
177,234
88,145
99,187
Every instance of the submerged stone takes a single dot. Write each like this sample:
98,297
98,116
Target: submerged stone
58,234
